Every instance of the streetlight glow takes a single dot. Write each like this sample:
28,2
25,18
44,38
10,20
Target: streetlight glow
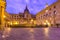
47,22
9,29
11,23
16,23
4,16
32,20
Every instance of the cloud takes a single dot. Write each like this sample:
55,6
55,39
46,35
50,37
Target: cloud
27,1
15,6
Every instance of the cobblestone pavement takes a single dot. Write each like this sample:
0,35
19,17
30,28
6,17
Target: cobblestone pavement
31,34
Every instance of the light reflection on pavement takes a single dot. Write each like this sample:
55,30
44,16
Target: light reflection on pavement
6,32
31,34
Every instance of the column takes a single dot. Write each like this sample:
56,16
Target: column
2,14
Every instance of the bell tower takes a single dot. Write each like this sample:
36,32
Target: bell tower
26,12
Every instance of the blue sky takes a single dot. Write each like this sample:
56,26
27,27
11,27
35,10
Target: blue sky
34,6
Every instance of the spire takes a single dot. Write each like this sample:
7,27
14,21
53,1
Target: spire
26,9
47,5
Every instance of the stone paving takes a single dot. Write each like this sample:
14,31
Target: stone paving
33,34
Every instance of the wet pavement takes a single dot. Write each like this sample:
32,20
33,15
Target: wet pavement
31,34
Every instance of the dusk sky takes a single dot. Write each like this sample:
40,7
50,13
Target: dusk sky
34,6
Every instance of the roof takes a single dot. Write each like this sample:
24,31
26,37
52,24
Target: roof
26,9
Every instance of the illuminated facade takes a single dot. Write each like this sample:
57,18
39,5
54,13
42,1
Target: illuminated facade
22,18
7,19
50,15
2,10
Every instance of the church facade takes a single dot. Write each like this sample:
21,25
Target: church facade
23,18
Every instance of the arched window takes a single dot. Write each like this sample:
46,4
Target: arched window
54,6
46,15
50,9
55,12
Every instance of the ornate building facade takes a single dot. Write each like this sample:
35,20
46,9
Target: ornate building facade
50,15
22,18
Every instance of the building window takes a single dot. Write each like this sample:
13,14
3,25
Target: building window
54,6
54,11
41,17
17,16
12,17
46,15
50,9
